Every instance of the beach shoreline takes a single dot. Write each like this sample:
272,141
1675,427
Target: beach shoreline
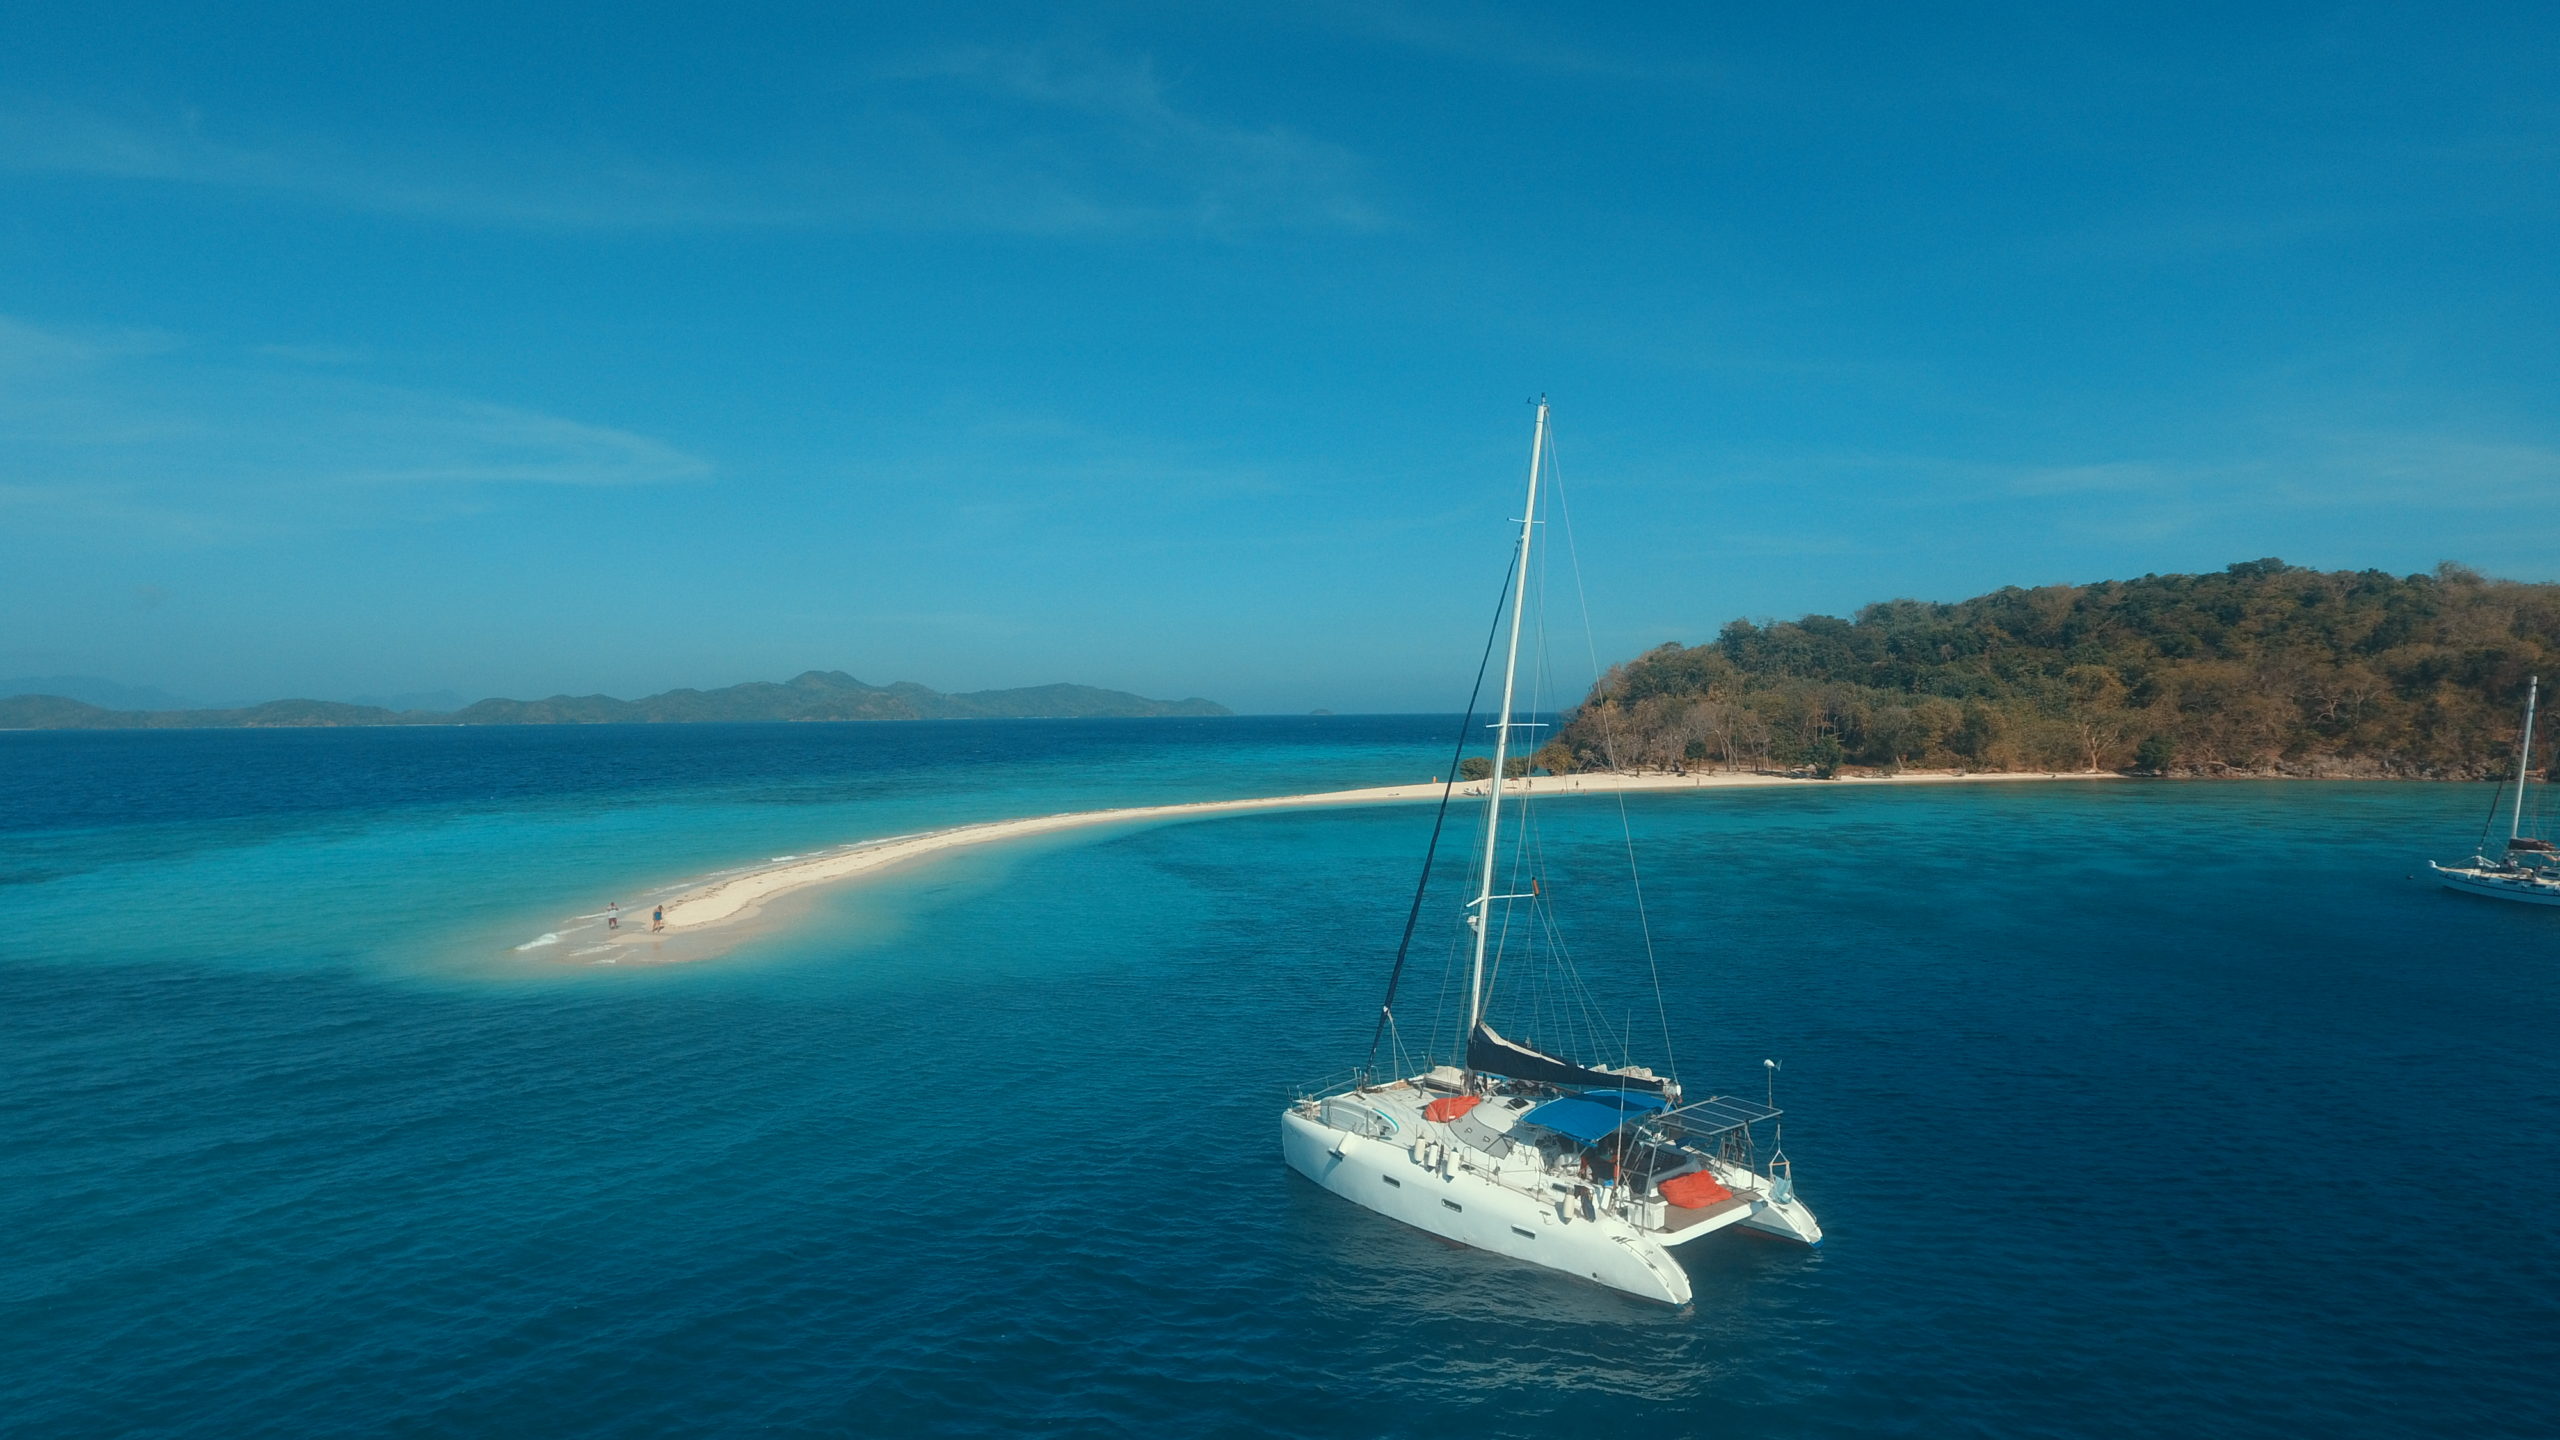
708,917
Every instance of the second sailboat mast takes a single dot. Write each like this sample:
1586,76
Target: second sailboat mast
2524,757
1502,730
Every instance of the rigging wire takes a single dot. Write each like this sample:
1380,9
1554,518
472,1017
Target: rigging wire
2497,802
1559,995
1501,940
1626,830
1439,818
1567,990
1448,981
2497,797
1572,996
1522,860
1562,1013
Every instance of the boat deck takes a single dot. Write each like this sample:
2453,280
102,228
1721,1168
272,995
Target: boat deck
1679,1221
2535,885
1523,1168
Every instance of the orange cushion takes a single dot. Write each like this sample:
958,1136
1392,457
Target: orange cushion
1694,1191
1450,1107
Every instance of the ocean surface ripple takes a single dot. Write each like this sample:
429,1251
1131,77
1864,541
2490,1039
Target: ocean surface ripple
2130,1109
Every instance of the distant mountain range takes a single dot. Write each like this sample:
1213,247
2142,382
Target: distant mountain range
816,695
92,690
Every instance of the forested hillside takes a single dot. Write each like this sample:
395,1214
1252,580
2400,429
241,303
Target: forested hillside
2261,668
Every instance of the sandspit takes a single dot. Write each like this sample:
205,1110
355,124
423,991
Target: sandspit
732,898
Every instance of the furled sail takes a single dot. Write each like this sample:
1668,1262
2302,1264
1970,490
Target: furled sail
1488,1053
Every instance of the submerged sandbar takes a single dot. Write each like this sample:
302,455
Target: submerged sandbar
699,912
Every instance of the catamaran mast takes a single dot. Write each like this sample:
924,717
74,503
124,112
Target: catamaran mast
1483,905
2524,756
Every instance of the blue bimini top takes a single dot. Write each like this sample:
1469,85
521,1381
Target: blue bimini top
1594,1115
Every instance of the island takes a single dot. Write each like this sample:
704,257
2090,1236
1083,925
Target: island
2262,668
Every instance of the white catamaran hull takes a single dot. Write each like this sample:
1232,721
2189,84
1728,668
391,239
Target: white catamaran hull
1463,1206
2498,884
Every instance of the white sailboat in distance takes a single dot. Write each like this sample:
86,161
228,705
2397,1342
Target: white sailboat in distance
1599,1171
2526,871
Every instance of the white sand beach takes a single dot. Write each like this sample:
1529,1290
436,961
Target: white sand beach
724,902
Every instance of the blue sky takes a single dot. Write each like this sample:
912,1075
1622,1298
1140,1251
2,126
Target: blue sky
1184,349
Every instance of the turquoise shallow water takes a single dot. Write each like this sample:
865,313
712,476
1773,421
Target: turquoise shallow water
2129,1108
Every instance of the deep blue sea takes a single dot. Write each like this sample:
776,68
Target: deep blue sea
2132,1108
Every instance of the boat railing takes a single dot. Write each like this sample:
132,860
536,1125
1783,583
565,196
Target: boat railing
1333,1084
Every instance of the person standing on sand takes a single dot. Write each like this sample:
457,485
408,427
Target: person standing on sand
657,919
613,915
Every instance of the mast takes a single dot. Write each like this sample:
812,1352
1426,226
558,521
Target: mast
1483,905
2524,755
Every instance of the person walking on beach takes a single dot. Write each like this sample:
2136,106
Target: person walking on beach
613,915
657,919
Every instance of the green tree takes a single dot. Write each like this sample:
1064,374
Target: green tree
1825,755
1983,737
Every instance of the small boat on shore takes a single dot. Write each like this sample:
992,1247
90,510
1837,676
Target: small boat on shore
2528,869
1595,1170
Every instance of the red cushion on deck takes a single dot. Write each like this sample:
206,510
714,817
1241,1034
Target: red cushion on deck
1694,1191
1450,1107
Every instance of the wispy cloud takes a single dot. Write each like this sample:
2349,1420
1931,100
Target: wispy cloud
2354,495
1477,34
47,138
2412,472
968,471
1019,141
117,508
143,434
382,435
1078,140
31,353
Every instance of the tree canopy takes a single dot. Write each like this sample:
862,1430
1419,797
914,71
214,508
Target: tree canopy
2260,668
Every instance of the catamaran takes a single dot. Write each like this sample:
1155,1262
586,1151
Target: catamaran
1596,1170
2526,870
